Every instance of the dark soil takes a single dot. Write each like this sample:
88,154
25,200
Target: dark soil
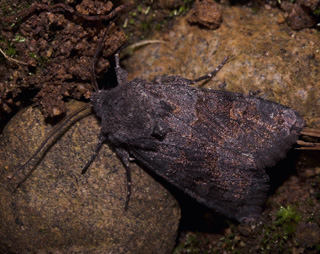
55,51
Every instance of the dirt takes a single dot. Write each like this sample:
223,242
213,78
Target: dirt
55,50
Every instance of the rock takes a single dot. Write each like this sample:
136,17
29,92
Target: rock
299,16
59,210
206,13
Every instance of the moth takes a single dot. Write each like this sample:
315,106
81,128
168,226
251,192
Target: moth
213,145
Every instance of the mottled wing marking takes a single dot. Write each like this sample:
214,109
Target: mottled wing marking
218,144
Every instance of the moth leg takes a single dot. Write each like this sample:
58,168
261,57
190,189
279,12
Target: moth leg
120,73
102,139
125,158
211,74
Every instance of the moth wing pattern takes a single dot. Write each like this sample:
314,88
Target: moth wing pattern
217,144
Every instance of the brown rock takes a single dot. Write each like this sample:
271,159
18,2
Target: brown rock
206,13
59,210
312,4
299,16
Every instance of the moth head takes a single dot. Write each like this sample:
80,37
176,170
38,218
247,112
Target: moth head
97,100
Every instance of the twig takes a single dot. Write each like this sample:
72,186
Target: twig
60,7
305,145
311,132
12,59
308,144
129,50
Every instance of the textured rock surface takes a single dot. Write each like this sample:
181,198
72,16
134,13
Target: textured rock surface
270,59
206,14
59,210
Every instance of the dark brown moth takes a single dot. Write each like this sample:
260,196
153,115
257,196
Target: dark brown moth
212,145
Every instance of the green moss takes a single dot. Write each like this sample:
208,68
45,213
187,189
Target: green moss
183,9
9,49
33,55
190,245
187,4
131,21
287,218
230,243
316,12
196,243
277,235
145,18
19,38
139,8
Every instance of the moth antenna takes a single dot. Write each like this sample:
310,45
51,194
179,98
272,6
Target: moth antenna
214,72
46,144
95,58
